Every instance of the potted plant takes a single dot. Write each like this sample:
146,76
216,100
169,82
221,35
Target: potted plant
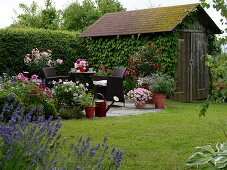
139,97
81,65
161,85
143,82
88,102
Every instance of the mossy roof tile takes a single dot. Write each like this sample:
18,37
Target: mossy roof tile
139,21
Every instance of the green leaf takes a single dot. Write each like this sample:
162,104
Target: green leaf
221,147
207,150
198,159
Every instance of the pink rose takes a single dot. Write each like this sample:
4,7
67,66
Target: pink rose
59,61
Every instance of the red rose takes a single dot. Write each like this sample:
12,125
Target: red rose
149,43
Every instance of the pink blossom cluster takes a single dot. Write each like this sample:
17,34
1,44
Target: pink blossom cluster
81,63
34,78
37,56
139,95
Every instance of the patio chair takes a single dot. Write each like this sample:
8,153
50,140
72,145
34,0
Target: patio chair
110,86
51,75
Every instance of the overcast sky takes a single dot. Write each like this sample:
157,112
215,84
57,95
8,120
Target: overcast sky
7,6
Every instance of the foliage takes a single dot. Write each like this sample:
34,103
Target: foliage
217,158
30,143
102,71
220,6
79,16
144,81
115,51
162,83
15,43
68,93
30,92
8,103
146,60
71,112
129,82
87,100
35,17
139,95
38,60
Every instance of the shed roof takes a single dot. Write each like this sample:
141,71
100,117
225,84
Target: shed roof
140,21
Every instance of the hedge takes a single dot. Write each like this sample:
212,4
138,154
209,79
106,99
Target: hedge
110,51
15,43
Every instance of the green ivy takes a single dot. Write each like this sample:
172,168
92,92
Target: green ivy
114,51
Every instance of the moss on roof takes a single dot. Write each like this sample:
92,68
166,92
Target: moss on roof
139,21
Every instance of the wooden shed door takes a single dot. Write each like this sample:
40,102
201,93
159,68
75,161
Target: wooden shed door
192,79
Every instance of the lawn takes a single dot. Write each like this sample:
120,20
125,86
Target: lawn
162,140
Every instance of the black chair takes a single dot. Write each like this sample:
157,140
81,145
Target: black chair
51,75
112,85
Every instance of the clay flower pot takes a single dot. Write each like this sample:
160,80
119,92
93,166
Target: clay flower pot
140,106
90,111
159,101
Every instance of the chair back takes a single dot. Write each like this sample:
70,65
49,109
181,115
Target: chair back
118,72
49,72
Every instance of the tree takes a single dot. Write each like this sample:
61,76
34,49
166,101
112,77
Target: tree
108,6
221,6
35,17
79,16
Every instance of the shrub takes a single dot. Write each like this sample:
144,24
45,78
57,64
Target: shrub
146,60
38,60
16,43
35,143
68,93
42,109
73,112
8,103
216,158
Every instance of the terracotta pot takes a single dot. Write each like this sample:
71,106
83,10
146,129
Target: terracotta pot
140,106
145,87
90,111
159,101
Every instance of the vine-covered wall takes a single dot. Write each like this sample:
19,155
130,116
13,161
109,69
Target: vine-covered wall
114,51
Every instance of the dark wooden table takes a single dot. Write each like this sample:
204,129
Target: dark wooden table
83,77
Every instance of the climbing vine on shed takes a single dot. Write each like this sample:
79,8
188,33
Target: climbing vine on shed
114,51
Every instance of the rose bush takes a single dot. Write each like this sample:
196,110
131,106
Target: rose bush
146,60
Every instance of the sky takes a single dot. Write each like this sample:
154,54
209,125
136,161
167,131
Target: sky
7,7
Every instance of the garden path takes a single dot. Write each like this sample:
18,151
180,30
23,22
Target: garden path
129,109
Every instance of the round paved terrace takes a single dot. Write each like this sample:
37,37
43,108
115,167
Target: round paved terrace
119,110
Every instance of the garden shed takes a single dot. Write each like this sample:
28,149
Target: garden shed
194,28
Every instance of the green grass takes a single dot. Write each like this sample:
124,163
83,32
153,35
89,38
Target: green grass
162,140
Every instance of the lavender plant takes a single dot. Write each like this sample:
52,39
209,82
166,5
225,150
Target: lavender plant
35,143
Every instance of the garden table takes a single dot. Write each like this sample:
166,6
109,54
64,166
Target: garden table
84,77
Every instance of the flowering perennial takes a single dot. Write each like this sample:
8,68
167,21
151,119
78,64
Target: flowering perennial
37,60
146,60
139,95
35,143
81,64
